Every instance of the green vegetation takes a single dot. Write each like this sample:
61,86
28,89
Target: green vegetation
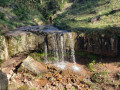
99,77
24,87
0,62
90,15
91,59
52,58
118,75
16,13
83,15
38,56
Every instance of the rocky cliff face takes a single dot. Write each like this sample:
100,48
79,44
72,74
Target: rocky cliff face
97,44
22,41
3,48
26,39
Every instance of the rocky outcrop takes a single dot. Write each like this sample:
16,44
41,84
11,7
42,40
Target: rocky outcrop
3,48
33,38
22,41
3,81
97,44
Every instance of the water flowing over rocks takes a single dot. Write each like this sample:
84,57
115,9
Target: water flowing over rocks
56,45
26,39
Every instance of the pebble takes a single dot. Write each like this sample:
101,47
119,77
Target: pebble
68,86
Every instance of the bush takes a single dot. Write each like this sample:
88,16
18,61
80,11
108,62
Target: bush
4,3
21,11
2,16
98,77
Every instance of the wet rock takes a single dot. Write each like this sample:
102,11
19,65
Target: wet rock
33,66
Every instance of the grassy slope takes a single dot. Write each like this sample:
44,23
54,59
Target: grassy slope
10,20
79,15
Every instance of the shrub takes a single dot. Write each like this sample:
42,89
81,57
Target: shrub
21,11
2,16
98,77
4,2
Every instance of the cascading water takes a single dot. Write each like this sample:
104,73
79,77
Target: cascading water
72,48
62,47
46,52
59,50
74,67
55,47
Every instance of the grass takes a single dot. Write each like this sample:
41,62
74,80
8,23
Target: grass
0,62
118,75
24,87
37,56
99,77
12,18
79,15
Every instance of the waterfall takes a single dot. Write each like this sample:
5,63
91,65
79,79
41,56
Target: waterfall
59,49
62,47
56,54
72,48
46,52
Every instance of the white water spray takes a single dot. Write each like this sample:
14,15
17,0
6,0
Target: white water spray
55,47
46,50
72,48
62,48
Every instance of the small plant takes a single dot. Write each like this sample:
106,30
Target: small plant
98,77
53,58
118,75
64,89
73,88
81,53
32,89
0,62
21,12
24,87
38,56
90,65
2,16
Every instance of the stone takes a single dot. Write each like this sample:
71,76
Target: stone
3,48
30,64
22,41
68,86
9,76
3,81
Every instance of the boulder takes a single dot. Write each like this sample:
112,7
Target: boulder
22,41
30,64
3,48
3,81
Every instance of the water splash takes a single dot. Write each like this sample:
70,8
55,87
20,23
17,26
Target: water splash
46,53
72,48
59,49
56,54
61,65
62,47
76,68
